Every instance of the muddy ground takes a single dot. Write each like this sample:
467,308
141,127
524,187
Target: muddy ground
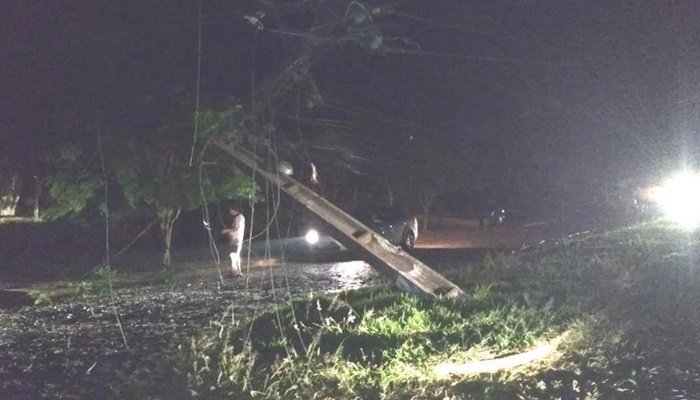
74,348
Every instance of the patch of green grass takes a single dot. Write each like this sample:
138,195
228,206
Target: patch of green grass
103,282
370,343
40,297
168,276
130,272
629,301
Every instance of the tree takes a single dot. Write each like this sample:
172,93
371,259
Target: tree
157,168
10,187
153,169
72,184
419,174
151,160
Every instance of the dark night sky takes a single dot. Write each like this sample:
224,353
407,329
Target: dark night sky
574,95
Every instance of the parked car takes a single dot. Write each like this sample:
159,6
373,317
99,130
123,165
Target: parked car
394,225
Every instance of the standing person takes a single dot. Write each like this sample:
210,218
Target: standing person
235,236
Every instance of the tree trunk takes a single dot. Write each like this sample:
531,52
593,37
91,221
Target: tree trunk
167,218
426,218
390,193
10,188
427,200
37,195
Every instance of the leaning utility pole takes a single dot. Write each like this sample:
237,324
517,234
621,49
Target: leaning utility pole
413,275
336,23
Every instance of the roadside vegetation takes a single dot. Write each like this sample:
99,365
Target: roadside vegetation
609,315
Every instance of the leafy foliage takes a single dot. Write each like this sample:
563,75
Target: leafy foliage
72,186
100,286
152,167
40,297
213,121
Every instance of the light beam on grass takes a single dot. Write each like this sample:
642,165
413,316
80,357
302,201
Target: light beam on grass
540,353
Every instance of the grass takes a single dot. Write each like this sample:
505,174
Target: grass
129,271
370,343
628,301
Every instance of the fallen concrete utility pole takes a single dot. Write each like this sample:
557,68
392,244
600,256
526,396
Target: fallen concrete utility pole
413,275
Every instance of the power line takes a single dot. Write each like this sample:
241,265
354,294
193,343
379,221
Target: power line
469,57
199,78
448,25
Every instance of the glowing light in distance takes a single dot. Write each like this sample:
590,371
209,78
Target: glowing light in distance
679,198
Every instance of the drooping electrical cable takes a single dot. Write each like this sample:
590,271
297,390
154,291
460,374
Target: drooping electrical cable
213,249
290,295
275,195
268,251
107,262
206,221
199,78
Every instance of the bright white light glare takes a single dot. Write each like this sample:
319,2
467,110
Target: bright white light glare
679,198
350,275
312,236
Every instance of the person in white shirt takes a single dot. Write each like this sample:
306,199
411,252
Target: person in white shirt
235,235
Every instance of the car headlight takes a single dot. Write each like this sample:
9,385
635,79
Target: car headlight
679,198
312,236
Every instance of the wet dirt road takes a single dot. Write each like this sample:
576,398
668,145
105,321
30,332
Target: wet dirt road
74,349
